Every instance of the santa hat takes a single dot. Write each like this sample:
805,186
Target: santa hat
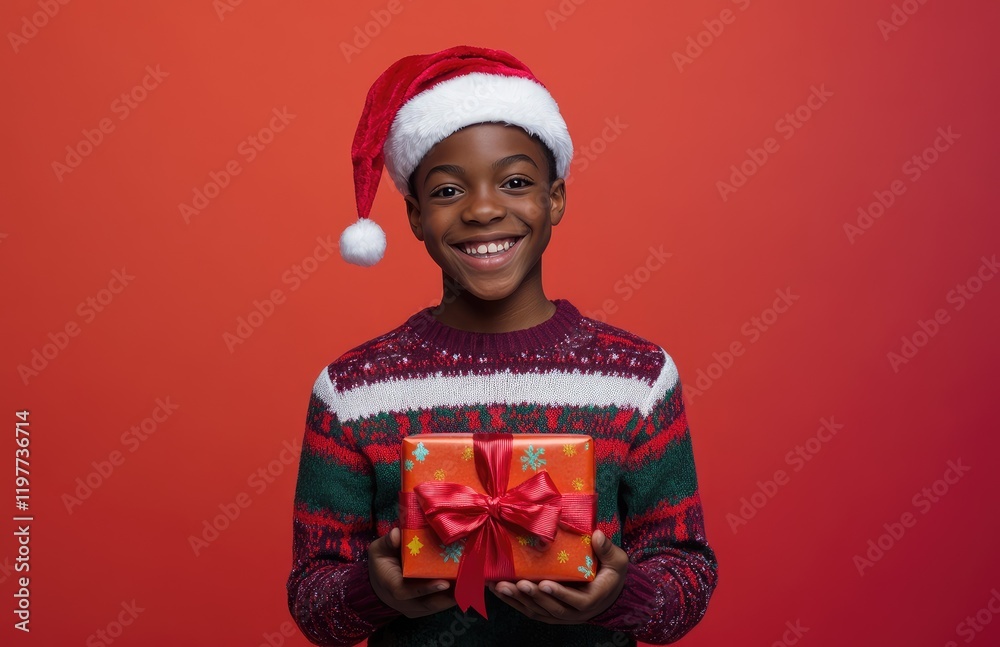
424,98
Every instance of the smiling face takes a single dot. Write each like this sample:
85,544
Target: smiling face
485,189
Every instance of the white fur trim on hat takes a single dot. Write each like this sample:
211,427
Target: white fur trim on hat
362,243
473,98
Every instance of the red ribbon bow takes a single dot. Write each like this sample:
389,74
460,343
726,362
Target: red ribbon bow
455,510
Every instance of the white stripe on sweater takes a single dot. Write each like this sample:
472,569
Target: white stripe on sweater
556,388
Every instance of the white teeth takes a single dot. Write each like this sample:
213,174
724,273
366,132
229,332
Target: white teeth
491,248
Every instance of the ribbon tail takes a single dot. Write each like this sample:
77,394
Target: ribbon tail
470,584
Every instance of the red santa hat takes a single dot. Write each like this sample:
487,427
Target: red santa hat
420,100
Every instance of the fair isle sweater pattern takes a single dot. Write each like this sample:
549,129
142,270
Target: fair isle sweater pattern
569,374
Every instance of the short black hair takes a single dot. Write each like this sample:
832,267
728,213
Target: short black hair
550,159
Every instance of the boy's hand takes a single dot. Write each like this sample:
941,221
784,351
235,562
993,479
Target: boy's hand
571,604
411,596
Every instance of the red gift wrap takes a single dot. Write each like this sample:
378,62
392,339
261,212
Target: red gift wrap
478,507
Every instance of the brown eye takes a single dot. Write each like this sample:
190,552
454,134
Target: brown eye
439,191
525,183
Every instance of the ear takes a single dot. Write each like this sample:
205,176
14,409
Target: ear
413,215
557,200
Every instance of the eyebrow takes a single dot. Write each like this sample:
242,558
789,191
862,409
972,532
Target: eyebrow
500,163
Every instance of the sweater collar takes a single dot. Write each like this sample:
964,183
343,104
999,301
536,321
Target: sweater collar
550,333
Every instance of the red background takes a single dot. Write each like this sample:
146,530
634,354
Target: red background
652,185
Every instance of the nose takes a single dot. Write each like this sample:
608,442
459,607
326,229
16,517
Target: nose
483,207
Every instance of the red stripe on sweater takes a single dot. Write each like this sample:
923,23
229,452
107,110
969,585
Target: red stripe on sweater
654,448
663,511
607,449
324,519
382,453
609,528
329,448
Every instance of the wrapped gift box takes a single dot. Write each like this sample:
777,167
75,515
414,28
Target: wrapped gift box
451,458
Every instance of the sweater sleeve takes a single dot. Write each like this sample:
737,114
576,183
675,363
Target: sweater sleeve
672,570
330,595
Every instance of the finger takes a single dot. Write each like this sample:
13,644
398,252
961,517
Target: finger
606,552
390,574
526,593
549,603
608,555
383,546
520,602
509,593
512,601
577,598
408,588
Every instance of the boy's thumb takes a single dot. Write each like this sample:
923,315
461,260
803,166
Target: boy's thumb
600,540
394,537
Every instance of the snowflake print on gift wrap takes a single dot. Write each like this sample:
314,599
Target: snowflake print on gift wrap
452,551
563,556
529,540
467,454
569,449
420,453
588,570
408,464
415,546
531,458
586,446
439,474
577,484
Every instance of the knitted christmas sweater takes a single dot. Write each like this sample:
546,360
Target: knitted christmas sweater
568,374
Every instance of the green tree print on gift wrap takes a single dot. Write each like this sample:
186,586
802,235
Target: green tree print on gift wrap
531,458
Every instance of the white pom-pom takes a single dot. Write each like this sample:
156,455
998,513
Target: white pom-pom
363,243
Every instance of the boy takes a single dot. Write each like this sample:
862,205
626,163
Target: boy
478,148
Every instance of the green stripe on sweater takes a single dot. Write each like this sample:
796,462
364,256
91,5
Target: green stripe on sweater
672,471
324,485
